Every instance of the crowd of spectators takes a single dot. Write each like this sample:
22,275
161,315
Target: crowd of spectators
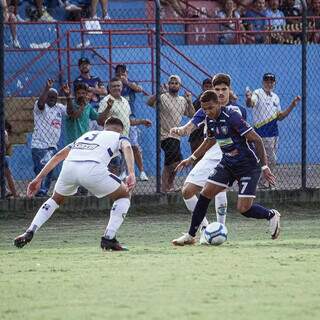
260,21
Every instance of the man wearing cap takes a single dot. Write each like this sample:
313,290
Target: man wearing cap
266,112
129,90
173,107
47,114
96,89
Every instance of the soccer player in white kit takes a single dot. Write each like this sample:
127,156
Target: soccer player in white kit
198,176
86,162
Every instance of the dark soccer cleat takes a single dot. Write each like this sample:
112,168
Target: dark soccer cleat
111,245
23,239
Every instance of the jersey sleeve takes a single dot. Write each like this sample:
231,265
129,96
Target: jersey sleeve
239,124
198,118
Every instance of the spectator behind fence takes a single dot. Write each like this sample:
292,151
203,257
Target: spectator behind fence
173,107
259,11
176,5
38,12
229,11
47,114
86,9
96,89
79,112
114,105
314,11
274,12
196,137
267,112
129,91
7,172
10,18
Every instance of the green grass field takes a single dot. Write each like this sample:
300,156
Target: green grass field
64,275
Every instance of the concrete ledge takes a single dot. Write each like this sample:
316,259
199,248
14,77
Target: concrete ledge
24,207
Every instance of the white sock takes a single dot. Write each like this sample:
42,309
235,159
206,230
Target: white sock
221,207
117,214
191,204
43,214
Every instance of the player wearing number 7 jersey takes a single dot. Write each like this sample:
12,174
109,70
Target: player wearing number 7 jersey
243,159
86,161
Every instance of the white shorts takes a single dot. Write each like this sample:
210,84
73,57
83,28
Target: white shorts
201,171
134,136
93,176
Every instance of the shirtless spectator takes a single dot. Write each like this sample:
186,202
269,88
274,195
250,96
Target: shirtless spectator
10,18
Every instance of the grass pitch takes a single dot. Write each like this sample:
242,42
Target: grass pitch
63,274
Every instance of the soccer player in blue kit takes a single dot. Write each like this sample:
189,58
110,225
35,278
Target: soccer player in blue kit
243,159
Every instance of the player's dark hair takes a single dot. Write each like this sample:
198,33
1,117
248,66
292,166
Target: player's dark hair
120,68
221,78
209,95
81,86
114,79
113,120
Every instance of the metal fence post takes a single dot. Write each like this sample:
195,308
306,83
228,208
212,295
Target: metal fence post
158,79
2,125
304,97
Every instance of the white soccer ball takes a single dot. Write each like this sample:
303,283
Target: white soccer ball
214,234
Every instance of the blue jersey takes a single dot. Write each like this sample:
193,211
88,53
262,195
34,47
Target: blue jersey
130,95
92,82
200,116
229,130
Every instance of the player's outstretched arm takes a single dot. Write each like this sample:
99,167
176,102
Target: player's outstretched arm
203,148
184,130
128,156
252,136
34,185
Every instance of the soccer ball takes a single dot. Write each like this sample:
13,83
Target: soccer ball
215,234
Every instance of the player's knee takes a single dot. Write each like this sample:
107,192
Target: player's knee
243,207
187,192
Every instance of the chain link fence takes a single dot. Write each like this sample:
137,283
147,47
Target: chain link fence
189,50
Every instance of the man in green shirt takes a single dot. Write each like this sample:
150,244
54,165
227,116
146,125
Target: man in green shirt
79,112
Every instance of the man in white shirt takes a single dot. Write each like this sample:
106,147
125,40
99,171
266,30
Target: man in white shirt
86,161
48,115
118,107
266,112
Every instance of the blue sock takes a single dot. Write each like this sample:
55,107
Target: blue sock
199,213
258,212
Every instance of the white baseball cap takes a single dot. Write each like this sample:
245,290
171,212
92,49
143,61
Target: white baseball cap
176,77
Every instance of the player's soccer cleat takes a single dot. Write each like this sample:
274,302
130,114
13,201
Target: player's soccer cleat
274,224
23,239
183,240
111,245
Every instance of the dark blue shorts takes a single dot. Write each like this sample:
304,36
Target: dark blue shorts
247,178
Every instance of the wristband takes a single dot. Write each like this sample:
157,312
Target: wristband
264,167
193,157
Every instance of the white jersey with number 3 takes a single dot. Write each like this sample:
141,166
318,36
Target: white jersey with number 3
97,146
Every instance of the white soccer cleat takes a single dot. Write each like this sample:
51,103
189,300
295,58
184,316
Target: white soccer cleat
274,224
143,176
186,239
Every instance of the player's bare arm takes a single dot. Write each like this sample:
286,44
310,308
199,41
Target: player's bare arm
283,114
183,130
203,148
34,185
252,136
128,156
